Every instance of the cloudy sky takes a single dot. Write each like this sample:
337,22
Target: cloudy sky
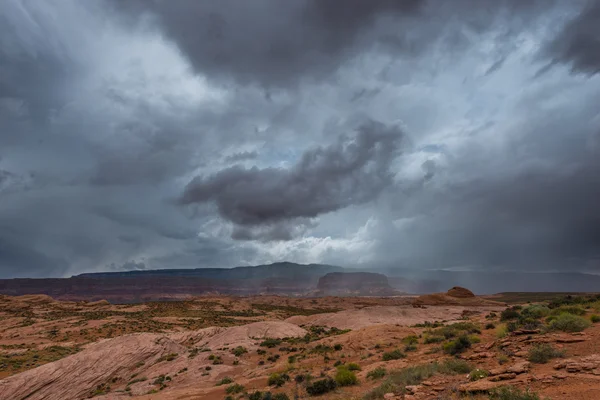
460,134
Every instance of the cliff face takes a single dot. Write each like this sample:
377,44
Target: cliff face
139,286
354,283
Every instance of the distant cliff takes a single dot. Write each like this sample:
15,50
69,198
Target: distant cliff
171,284
354,283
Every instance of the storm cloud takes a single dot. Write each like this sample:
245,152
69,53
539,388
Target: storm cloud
426,134
352,171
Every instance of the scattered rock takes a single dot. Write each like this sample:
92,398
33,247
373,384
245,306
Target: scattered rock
483,385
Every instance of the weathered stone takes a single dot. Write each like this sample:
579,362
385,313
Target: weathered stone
519,368
503,377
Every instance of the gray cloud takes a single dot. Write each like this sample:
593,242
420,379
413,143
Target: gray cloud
352,171
101,130
578,43
245,41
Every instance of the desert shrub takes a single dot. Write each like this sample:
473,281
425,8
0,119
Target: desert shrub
575,310
542,353
270,343
393,355
490,326
535,311
168,357
410,347
353,367
273,358
509,313
457,345
512,393
278,380
337,347
280,396
478,374
568,323
412,339
453,366
398,380
258,395
226,380
345,377
377,373
427,339
503,359
501,332
595,318
321,386
454,330
235,388
238,351
216,360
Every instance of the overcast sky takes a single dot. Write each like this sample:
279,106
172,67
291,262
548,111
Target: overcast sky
457,134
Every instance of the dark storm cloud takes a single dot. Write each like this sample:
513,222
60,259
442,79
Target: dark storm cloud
270,41
578,44
325,179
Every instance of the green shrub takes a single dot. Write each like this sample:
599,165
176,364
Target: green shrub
226,380
509,313
353,367
278,380
512,393
454,366
238,351
337,347
478,374
501,332
542,353
270,343
457,345
235,388
398,380
410,347
568,323
377,373
536,311
490,326
575,310
279,396
595,318
427,339
412,339
393,355
345,377
321,386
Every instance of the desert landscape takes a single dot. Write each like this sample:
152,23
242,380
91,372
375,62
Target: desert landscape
451,345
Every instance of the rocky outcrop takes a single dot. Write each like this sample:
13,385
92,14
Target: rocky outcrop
460,293
114,361
354,283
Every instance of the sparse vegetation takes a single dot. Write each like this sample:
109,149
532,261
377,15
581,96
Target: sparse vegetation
478,374
595,318
270,343
345,377
238,351
398,380
457,345
568,323
393,355
512,393
377,373
235,388
543,352
321,386
225,381
278,380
